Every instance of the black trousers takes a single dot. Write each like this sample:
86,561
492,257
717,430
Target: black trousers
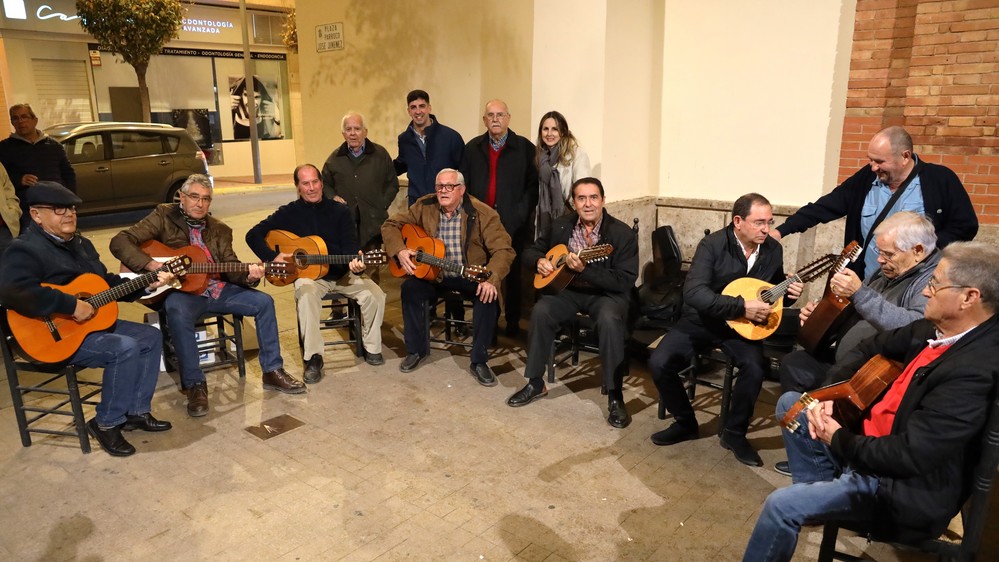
553,311
416,293
674,354
800,371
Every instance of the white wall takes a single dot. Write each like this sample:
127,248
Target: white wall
753,96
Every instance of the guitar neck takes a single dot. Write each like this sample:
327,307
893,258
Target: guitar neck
806,274
224,267
323,259
445,265
128,287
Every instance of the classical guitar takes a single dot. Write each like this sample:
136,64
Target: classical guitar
53,339
850,398
429,258
310,257
750,288
562,276
829,314
195,280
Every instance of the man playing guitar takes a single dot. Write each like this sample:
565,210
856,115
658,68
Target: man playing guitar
314,215
473,235
188,223
51,251
600,289
742,249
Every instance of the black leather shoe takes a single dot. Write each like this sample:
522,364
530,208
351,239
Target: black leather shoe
783,467
617,414
740,447
483,374
374,359
111,440
676,433
531,392
313,369
197,400
411,362
281,381
145,422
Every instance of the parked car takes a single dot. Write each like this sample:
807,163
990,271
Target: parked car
121,166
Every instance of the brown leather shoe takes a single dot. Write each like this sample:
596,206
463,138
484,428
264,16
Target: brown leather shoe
281,381
197,400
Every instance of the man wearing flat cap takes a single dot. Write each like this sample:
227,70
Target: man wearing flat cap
51,251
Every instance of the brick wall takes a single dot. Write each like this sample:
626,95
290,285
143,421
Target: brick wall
932,67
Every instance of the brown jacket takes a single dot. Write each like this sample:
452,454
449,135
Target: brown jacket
484,241
10,207
168,226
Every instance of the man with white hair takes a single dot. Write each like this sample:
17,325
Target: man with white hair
361,175
905,245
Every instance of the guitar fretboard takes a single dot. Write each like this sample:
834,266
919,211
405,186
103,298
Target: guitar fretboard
232,267
446,265
807,273
315,259
128,287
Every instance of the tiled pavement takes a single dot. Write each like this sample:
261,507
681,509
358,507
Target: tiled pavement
391,466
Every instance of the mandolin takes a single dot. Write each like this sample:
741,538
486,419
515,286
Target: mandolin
429,257
831,311
195,280
310,257
750,288
54,339
850,398
562,276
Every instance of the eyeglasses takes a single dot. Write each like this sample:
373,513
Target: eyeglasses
500,115
934,288
59,211
16,118
195,198
888,256
446,187
758,224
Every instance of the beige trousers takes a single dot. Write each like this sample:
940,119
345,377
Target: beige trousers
370,297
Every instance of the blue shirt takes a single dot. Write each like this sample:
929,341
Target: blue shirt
877,198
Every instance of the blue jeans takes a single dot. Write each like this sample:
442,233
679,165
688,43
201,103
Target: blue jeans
822,490
184,309
130,355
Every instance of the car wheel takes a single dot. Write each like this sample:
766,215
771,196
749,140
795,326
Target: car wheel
173,195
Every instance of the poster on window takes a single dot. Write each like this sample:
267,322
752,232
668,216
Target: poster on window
196,123
267,95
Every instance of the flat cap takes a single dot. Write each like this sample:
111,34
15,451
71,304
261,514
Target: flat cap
51,193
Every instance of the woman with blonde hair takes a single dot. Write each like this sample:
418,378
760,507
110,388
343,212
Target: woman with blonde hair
561,161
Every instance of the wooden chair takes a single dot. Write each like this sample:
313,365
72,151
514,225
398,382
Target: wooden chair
449,332
53,377
339,311
228,329
973,515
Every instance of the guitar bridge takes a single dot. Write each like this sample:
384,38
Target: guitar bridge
52,329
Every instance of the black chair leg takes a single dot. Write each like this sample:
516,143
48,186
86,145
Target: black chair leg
827,549
77,406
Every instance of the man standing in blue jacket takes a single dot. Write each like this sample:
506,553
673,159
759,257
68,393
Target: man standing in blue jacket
425,147
928,189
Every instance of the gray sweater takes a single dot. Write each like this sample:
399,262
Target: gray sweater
886,304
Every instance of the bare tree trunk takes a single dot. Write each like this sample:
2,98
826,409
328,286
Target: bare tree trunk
140,73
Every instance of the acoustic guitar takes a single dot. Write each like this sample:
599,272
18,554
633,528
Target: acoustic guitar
832,311
562,276
54,339
850,398
195,280
750,288
429,257
310,257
